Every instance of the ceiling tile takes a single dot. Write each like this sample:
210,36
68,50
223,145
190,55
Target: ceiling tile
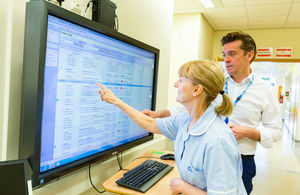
268,20
285,13
232,27
226,12
266,2
230,21
268,10
265,26
232,3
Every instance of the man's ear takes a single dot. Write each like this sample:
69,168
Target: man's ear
250,55
198,90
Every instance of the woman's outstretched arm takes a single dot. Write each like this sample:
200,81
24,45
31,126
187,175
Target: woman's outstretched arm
145,122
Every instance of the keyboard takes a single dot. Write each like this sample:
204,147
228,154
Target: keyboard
145,175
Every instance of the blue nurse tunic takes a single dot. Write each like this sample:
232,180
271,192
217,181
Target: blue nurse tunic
207,156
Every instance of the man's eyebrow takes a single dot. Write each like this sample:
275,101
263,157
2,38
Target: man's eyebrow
230,51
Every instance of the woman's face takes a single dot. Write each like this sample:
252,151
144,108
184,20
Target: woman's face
185,89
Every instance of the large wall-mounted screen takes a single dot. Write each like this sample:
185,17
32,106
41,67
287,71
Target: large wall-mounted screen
64,124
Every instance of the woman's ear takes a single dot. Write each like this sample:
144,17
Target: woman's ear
198,90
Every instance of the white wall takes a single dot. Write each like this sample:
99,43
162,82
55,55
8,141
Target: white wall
150,22
4,10
12,27
147,21
192,39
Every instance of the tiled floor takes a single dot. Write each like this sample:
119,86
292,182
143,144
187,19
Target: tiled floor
278,168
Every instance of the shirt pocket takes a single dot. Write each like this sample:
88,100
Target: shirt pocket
196,178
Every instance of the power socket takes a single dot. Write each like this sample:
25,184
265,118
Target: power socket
76,7
76,10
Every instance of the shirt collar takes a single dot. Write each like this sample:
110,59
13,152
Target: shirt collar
204,122
245,80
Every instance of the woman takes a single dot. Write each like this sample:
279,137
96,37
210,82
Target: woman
206,151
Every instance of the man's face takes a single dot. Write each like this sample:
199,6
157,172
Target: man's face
235,59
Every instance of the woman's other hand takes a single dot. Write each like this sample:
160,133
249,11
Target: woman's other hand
179,186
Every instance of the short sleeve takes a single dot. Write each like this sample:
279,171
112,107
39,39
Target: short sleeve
169,126
222,168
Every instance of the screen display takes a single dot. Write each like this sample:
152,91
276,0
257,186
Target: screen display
75,122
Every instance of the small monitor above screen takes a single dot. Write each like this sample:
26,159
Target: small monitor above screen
64,123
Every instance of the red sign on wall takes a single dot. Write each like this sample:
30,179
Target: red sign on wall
284,52
264,52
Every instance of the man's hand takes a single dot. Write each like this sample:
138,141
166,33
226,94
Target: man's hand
242,131
238,131
156,114
150,113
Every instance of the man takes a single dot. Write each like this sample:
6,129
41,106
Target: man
254,102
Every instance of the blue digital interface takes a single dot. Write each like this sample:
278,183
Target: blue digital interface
75,122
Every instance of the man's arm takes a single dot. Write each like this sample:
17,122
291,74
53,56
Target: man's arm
157,114
174,110
271,128
270,131
242,131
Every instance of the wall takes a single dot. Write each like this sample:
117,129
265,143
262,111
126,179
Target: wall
11,76
3,78
150,22
265,38
147,21
192,38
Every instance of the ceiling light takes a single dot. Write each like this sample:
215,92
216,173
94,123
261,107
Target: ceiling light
207,3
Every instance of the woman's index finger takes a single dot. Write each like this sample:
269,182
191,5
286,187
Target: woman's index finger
100,85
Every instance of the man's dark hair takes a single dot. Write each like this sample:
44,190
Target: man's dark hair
248,43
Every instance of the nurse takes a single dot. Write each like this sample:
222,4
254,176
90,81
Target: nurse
206,150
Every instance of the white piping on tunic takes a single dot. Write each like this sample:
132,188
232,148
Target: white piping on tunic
209,124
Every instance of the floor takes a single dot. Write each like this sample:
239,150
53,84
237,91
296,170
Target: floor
278,168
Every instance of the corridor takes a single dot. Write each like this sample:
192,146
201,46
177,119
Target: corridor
278,168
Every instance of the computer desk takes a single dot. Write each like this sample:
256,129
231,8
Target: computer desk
161,187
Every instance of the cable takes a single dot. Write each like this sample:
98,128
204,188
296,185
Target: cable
116,23
145,157
92,182
119,161
88,5
59,2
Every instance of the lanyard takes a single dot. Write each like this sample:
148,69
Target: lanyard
239,97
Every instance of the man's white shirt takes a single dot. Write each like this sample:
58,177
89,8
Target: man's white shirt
258,108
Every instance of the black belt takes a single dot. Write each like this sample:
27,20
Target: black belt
247,156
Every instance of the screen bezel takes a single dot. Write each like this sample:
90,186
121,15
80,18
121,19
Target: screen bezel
32,95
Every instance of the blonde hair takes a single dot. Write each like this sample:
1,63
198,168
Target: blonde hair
207,74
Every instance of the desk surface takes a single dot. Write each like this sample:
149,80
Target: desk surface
161,187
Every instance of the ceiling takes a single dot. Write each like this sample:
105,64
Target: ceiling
245,14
